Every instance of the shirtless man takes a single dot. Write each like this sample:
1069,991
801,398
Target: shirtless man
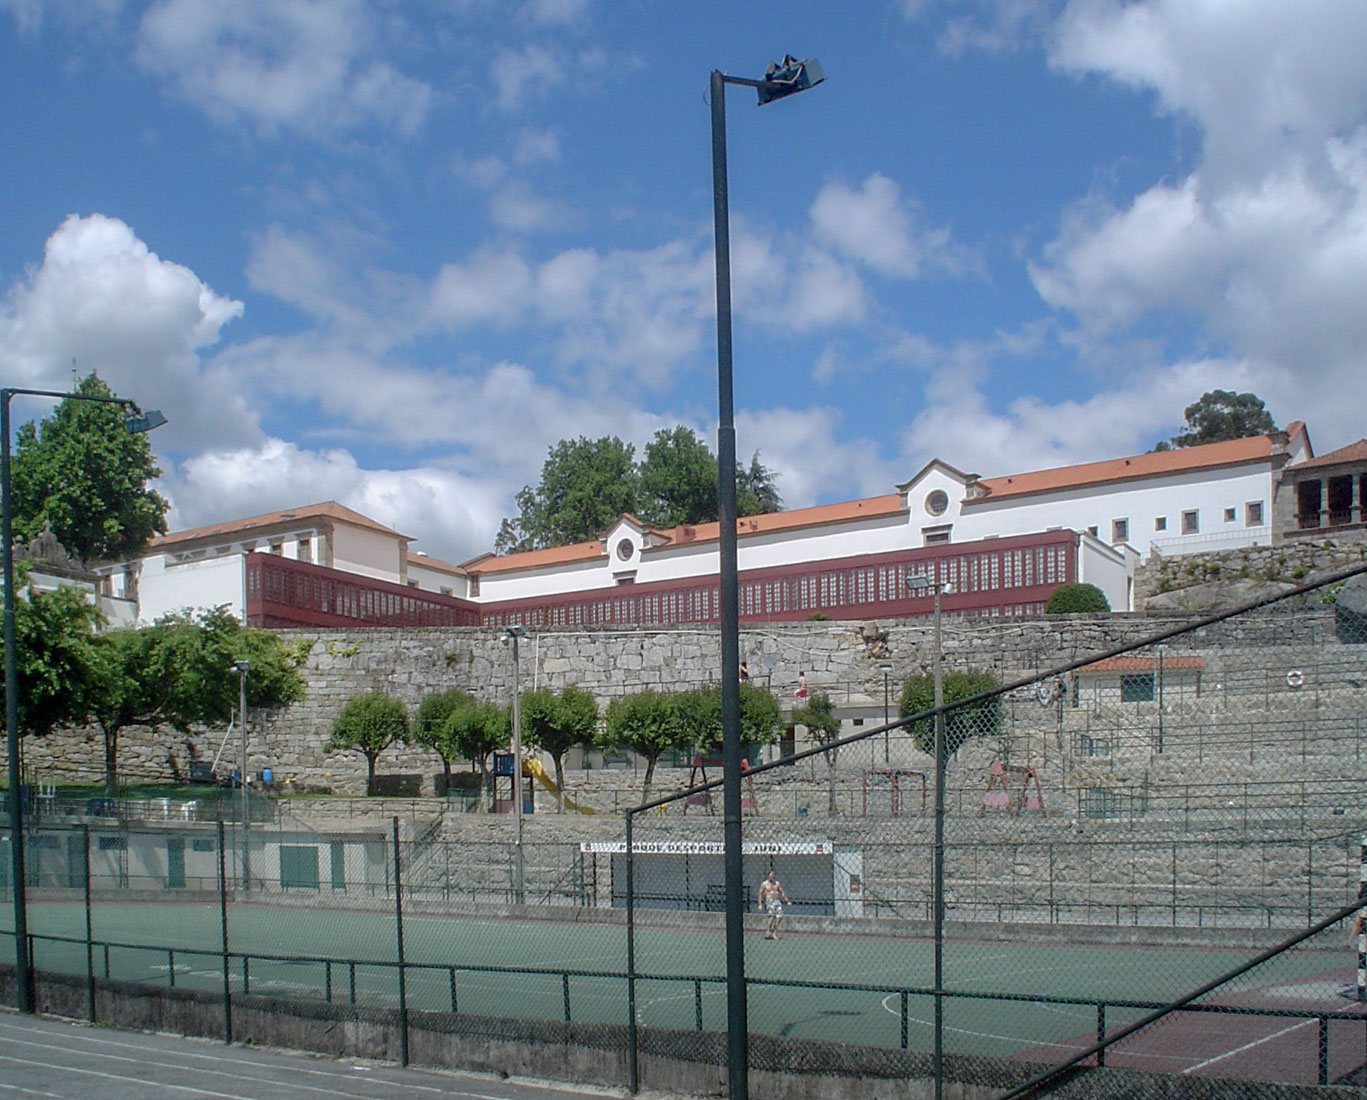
771,900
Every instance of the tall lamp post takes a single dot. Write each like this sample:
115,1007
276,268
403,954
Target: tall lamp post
781,80
920,584
135,421
511,636
242,668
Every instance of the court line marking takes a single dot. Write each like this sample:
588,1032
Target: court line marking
1248,1046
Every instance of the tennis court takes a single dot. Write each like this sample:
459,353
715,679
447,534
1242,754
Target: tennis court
1009,999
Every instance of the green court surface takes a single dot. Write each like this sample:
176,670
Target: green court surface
1009,998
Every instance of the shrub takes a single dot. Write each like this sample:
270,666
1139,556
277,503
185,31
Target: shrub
980,719
1073,598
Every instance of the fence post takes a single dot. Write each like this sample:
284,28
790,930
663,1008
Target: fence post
89,922
398,929
223,931
633,1066
1362,923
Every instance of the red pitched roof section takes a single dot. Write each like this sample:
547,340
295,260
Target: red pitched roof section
328,509
1207,456
1142,664
1353,453
890,504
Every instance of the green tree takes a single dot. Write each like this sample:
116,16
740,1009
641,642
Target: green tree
1221,415
756,493
699,712
368,724
648,723
585,485
430,722
678,480
821,721
81,472
1076,597
556,723
475,731
177,672
62,670
981,719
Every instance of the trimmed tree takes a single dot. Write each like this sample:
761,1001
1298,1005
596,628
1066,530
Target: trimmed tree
430,722
555,723
649,724
368,724
474,731
982,719
63,671
821,721
1076,598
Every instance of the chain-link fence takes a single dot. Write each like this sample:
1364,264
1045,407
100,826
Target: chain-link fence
1141,883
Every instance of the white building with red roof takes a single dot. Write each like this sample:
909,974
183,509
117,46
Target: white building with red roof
999,544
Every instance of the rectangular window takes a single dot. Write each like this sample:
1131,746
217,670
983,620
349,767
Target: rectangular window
1092,531
932,535
1160,523
304,551
1253,513
1137,688
1191,522
1120,530
1230,515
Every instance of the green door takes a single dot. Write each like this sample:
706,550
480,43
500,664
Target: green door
298,867
175,863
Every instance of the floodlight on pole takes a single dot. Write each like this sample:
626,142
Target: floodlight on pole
782,79
136,421
511,635
242,667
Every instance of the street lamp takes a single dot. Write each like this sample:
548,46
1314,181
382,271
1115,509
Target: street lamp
782,79
885,668
242,668
135,421
511,636
919,584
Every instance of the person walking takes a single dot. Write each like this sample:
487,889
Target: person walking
801,692
771,900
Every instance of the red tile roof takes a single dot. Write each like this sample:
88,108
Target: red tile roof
327,510
1206,456
1142,664
1354,452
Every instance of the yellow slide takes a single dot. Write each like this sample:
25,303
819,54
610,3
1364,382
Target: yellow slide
532,766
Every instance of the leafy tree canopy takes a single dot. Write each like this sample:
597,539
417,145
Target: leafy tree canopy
81,472
700,715
1075,597
1221,415
557,722
178,672
588,483
62,670
648,723
368,724
981,719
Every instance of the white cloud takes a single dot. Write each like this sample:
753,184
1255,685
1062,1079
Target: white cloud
104,300
303,65
876,226
531,71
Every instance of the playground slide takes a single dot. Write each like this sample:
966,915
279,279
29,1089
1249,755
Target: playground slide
532,766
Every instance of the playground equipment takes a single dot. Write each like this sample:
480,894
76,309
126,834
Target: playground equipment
996,777
532,766
698,775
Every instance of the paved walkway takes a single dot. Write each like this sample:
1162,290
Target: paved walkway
73,1061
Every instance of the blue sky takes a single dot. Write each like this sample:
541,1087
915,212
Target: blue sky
390,252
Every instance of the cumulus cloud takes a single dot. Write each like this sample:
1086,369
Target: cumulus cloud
876,225
1263,244
103,300
301,65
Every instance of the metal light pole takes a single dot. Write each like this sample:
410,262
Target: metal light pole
511,635
885,669
919,584
781,80
135,421
242,668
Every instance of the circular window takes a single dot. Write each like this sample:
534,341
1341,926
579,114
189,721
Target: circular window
625,549
936,502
